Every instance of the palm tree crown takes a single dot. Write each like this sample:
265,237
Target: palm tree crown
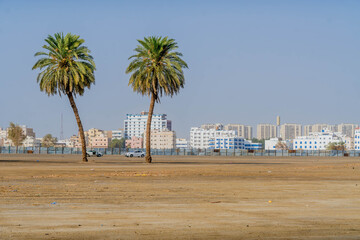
68,66
157,67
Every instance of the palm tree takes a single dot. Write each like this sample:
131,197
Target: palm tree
156,69
66,68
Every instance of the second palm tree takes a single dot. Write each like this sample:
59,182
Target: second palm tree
156,69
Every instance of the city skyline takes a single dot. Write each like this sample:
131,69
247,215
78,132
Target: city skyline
295,59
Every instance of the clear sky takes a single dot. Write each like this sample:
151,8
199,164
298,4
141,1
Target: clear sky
248,61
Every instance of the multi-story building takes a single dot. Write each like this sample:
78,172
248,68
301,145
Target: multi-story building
182,143
135,124
266,131
117,134
134,142
75,141
357,139
289,131
96,138
29,134
347,129
249,145
349,143
94,132
318,128
215,126
199,137
98,142
221,142
318,140
241,130
162,139
227,143
27,131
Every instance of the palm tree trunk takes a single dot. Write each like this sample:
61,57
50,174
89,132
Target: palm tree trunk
148,129
81,130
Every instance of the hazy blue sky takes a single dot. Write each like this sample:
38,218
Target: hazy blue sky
248,61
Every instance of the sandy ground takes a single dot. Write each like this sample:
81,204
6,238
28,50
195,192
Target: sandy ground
179,197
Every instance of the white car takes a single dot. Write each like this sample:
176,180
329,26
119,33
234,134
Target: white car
93,153
136,153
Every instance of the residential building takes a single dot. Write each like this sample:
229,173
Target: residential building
215,126
249,145
289,131
357,139
98,142
318,128
347,129
241,130
162,139
135,124
227,143
117,134
27,131
349,143
266,131
75,141
65,143
134,142
94,132
318,140
29,142
182,143
96,138
199,137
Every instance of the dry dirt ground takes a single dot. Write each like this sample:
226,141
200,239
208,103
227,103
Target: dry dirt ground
179,197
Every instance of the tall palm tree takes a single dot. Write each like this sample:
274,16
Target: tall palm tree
156,69
66,68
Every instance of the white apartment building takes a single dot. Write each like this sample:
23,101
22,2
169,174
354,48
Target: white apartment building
357,139
349,143
116,134
266,131
135,124
318,140
227,143
182,143
199,137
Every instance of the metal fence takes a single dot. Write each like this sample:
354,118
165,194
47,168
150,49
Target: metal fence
193,152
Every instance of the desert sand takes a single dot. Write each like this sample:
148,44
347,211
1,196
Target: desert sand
179,197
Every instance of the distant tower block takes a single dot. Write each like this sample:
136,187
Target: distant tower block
278,126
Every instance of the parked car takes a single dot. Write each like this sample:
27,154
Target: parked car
136,153
93,153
